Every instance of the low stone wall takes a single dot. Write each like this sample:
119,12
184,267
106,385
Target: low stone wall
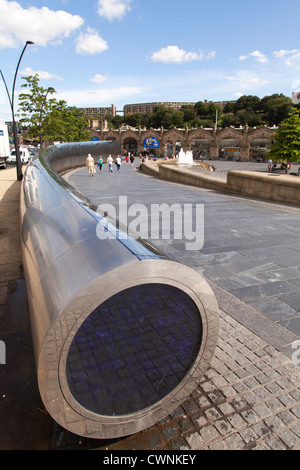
188,176
270,186
281,188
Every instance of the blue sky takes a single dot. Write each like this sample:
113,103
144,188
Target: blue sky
98,52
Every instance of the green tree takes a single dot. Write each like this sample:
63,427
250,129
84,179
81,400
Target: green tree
159,114
148,119
133,119
116,121
229,107
286,147
249,103
57,122
178,119
167,117
214,110
54,123
244,116
227,120
276,108
189,113
31,102
76,128
201,109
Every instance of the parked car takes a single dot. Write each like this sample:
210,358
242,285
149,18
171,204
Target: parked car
24,155
2,162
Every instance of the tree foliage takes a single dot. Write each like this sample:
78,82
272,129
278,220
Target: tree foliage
51,118
247,110
286,147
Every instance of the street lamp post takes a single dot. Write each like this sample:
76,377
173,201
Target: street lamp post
11,102
50,89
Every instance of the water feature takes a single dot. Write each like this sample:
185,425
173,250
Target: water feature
185,158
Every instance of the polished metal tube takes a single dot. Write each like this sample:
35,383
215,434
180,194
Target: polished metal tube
121,334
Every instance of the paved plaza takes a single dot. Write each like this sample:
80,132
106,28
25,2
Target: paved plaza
250,396
251,248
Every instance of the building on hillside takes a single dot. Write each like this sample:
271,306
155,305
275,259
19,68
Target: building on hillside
149,107
99,112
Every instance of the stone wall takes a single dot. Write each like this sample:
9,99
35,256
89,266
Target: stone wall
274,187
281,188
212,137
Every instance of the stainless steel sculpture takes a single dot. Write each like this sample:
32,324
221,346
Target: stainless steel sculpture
121,333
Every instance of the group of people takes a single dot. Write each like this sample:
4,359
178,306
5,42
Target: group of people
283,166
90,163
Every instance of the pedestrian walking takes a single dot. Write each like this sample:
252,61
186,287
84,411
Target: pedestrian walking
100,163
118,162
90,164
110,163
270,163
131,160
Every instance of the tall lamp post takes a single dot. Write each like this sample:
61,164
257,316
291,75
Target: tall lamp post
11,102
51,90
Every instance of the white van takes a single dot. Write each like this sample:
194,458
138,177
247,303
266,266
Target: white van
24,155
4,144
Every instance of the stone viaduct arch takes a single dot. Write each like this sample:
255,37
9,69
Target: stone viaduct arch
258,141
211,139
200,140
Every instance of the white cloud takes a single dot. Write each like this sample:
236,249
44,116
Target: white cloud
284,52
174,55
90,43
90,97
292,57
113,9
259,57
211,55
99,78
43,75
40,25
244,80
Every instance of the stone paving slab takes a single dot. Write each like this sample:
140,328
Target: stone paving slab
251,247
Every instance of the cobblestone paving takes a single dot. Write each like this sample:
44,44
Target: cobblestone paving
248,399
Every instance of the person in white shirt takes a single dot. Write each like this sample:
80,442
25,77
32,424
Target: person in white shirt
270,163
110,163
118,162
